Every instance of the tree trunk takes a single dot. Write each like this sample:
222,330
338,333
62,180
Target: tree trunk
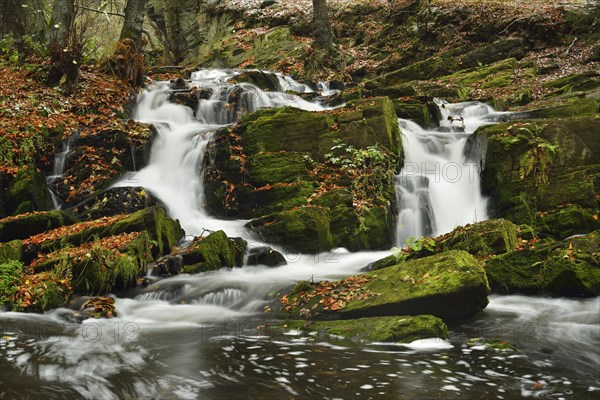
63,47
322,26
134,19
20,18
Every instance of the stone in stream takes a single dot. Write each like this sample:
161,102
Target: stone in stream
396,329
534,168
570,267
450,285
264,255
213,252
267,167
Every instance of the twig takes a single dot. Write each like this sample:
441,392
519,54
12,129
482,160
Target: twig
510,24
571,46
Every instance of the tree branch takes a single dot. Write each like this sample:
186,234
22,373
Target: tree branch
101,12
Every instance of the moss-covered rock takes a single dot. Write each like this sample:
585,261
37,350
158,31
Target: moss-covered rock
432,67
567,221
11,251
567,108
305,229
11,273
490,53
495,236
280,167
265,80
41,292
115,201
213,252
397,329
567,268
540,165
450,285
27,192
23,226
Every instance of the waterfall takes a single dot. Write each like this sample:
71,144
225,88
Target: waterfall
58,169
174,172
438,187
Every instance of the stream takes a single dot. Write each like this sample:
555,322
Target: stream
206,336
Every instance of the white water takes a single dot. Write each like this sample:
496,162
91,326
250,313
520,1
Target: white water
438,189
58,169
174,174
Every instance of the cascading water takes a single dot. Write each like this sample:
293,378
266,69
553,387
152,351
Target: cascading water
58,169
190,337
438,187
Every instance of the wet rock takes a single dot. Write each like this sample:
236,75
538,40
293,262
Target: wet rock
213,252
450,285
189,98
97,307
304,229
264,255
568,220
169,265
265,80
396,329
179,84
539,165
567,268
115,201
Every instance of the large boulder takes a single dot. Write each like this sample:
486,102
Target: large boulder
539,165
304,229
276,162
567,268
450,285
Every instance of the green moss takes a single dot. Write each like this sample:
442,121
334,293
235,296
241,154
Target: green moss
432,67
24,226
278,198
574,83
102,270
280,167
46,291
567,108
211,253
305,229
415,111
287,129
568,268
11,251
568,220
376,226
28,191
484,74
11,273
397,329
495,236
450,285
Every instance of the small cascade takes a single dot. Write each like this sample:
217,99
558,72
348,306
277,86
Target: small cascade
174,172
438,187
58,169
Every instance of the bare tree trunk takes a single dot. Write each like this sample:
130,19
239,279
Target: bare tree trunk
134,19
322,26
129,52
63,47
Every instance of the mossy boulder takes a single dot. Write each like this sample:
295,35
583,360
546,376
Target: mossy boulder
567,108
11,251
396,329
537,166
265,80
41,292
23,226
567,268
115,201
213,252
415,111
495,236
493,52
567,221
281,167
305,229
432,67
450,285
27,192
163,232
